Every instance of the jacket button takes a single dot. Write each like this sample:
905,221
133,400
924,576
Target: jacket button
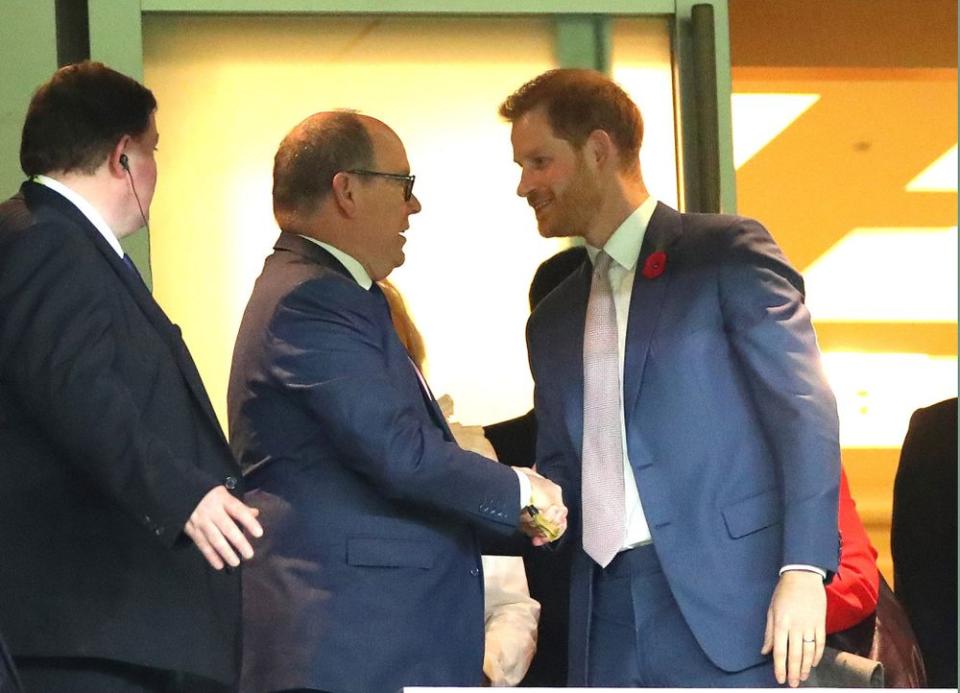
230,482
474,571
158,531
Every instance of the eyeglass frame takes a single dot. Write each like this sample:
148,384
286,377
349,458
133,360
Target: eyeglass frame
408,179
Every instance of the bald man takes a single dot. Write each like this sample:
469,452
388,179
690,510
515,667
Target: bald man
372,580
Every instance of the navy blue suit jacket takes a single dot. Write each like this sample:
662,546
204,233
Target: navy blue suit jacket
368,577
731,428
108,442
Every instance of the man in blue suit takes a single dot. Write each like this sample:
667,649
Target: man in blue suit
681,406
370,577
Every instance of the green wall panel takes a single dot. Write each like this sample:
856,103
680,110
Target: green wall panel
28,56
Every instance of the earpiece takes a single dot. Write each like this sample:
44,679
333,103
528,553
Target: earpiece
125,165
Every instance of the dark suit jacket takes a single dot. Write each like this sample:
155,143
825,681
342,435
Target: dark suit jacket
924,537
369,578
731,429
107,443
9,681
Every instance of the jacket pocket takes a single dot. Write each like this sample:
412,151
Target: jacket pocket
753,514
390,553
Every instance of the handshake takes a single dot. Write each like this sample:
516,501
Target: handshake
545,519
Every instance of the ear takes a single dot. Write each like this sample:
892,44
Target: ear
599,148
344,193
113,160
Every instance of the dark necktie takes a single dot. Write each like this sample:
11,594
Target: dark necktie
128,261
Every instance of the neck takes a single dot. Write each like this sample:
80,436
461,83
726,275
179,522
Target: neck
620,203
98,192
330,229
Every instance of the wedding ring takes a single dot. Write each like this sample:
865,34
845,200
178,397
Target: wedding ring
811,640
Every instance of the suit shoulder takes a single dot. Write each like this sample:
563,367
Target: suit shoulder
557,301
941,416
292,288
33,237
727,229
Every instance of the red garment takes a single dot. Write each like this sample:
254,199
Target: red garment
852,594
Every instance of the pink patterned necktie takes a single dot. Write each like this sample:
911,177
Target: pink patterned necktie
602,468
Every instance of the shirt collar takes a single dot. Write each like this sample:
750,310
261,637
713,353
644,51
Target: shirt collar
353,266
625,243
86,209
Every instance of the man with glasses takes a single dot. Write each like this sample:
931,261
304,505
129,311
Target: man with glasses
370,578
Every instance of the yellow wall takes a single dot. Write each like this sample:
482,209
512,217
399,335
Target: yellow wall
229,89
835,170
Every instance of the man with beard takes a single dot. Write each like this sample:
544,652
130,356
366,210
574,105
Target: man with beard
681,407
370,579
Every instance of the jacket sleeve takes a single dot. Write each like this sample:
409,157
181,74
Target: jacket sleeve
769,328
326,346
852,594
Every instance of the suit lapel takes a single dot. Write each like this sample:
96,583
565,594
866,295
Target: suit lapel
646,300
138,291
316,253
571,361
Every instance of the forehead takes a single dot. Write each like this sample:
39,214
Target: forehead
533,131
150,134
388,150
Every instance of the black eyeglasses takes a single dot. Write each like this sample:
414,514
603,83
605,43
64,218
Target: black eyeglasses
407,179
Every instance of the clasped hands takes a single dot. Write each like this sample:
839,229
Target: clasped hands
550,519
546,521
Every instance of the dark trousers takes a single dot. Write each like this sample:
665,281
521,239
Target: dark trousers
639,637
89,675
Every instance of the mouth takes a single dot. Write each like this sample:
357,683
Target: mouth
539,205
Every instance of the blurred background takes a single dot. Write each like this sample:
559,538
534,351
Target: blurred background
834,122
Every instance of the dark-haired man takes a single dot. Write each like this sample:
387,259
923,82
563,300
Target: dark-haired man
113,468
681,406
370,579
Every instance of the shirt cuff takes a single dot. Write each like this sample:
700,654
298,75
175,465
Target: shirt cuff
526,490
806,568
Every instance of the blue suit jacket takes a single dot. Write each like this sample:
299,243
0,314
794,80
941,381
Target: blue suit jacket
731,428
368,576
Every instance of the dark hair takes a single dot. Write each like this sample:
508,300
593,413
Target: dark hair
79,115
576,103
310,156
554,270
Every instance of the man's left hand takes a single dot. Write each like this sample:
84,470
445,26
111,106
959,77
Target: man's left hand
796,631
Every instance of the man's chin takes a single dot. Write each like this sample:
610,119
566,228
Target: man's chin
547,231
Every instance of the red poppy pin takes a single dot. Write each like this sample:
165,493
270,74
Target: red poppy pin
655,264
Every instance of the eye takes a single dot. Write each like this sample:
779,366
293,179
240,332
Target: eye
540,162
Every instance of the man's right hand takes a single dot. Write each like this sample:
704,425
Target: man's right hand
547,497
215,527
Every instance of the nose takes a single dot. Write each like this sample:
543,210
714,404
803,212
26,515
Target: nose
524,186
413,204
